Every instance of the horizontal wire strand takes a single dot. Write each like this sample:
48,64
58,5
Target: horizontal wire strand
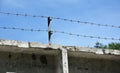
22,29
86,36
70,20
62,32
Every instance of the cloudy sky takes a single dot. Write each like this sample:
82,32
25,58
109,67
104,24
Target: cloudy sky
97,11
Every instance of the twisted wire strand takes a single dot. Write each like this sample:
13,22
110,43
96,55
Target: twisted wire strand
62,32
70,20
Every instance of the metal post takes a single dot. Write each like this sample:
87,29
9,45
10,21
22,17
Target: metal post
49,31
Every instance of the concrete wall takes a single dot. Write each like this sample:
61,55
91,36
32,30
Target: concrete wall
40,63
27,63
82,62
22,57
83,65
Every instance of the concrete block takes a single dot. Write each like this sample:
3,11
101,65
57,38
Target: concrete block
99,51
116,52
55,46
23,44
37,45
8,42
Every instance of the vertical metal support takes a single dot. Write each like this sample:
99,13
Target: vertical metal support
49,31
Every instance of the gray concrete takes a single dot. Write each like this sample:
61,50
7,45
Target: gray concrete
93,65
65,61
30,57
27,63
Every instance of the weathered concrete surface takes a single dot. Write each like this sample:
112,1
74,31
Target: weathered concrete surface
65,61
92,65
93,50
27,63
30,57
29,45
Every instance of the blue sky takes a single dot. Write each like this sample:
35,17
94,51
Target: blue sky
98,11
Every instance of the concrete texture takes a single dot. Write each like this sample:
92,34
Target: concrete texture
27,63
31,57
92,65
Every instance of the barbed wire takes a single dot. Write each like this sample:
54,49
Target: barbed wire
23,29
86,36
89,23
70,20
62,32
26,15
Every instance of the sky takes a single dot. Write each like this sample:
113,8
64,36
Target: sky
97,11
